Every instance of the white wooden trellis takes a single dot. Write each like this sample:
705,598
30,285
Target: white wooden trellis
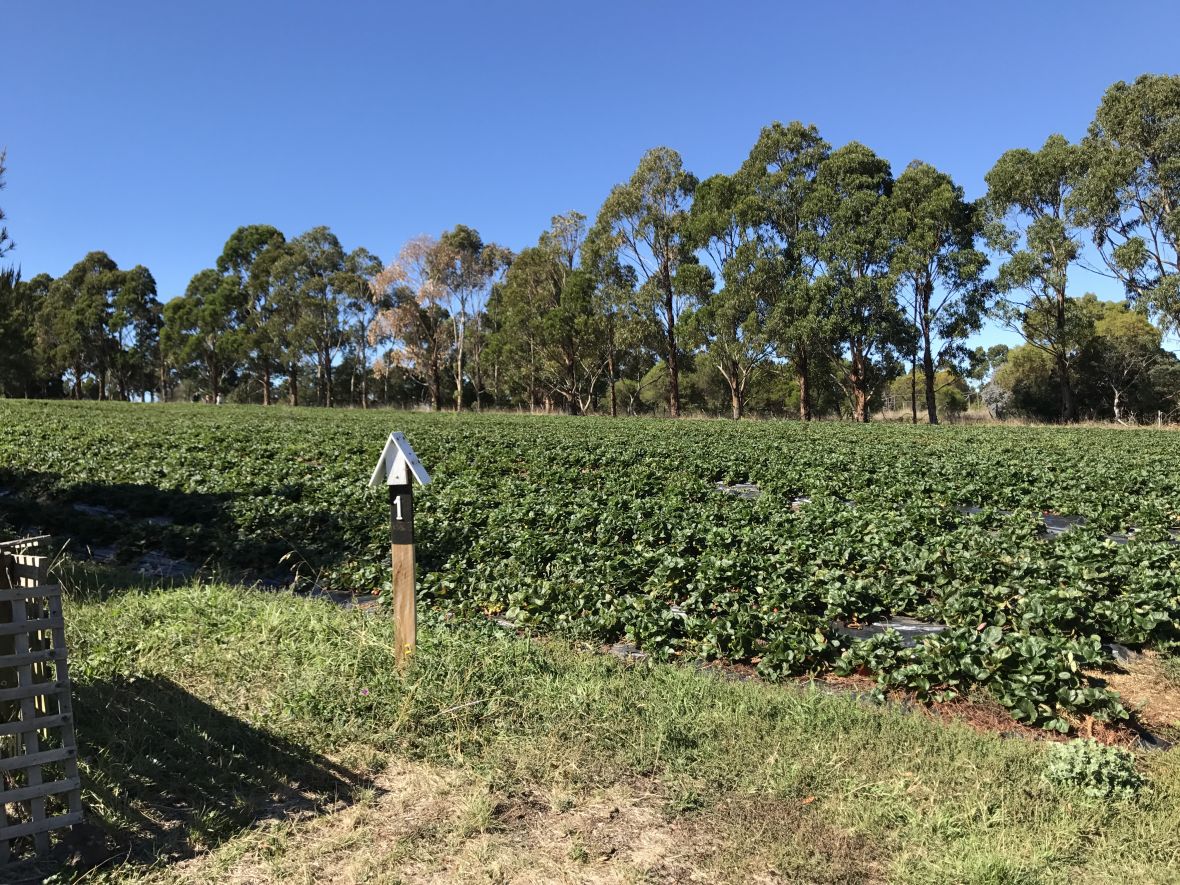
40,790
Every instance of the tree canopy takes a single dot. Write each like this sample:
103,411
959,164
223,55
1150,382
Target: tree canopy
810,280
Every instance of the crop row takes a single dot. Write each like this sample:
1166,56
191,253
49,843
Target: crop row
605,530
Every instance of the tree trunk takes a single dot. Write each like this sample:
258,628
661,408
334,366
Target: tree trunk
928,368
293,379
860,394
673,357
477,360
435,387
735,400
861,406
914,371
802,370
614,405
364,379
459,344
266,382
610,366
571,375
1067,403
532,379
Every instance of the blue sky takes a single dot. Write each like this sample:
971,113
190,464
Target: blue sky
151,130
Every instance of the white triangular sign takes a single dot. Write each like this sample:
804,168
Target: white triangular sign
398,463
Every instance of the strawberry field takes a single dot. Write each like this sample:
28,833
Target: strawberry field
1026,551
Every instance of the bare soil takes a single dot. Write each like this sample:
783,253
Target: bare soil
428,825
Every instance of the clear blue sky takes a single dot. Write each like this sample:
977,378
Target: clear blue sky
151,130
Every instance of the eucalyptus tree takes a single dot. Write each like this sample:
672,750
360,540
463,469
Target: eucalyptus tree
465,266
134,321
532,287
203,336
629,334
363,302
1126,350
21,363
735,319
628,338
1032,225
248,258
850,219
1129,196
320,288
548,317
74,325
779,178
513,327
312,280
415,318
940,267
645,222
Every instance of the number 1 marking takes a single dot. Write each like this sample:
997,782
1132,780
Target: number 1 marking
397,503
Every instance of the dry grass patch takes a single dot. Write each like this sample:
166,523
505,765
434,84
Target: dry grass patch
423,824
1148,688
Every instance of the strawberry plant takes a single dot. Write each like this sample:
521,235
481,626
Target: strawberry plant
609,530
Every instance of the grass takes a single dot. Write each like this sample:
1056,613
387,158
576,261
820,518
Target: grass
234,735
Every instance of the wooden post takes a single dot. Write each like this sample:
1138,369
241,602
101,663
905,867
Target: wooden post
399,468
404,586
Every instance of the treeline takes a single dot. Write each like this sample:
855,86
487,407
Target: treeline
810,281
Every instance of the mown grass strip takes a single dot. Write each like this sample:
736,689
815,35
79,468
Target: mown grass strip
199,705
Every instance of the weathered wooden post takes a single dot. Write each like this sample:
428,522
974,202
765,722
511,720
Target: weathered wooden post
396,468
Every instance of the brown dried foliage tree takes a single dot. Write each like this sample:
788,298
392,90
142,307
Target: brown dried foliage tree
418,322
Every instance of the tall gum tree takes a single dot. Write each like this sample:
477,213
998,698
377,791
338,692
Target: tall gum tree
645,221
1127,347
203,333
322,284
416,318
778,178
1129,196
1032,225
626,331
549,322
248,257
135,319
75,321
22,363
940,267
465,266
850,214
734,320
363,303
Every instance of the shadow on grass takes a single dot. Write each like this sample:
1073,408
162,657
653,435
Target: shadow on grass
135,518
165,774
177,532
